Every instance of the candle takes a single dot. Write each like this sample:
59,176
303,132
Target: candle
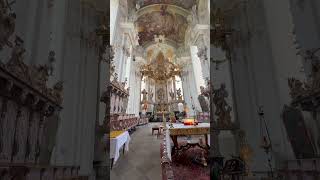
189,122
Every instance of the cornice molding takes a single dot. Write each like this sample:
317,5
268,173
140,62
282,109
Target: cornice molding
157,7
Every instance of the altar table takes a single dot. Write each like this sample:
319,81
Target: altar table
179,129
117,140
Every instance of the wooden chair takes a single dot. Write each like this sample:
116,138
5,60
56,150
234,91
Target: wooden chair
155,128
161,128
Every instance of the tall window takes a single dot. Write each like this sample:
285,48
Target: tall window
114,4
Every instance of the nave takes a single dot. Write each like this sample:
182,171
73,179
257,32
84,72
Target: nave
76,74
142,162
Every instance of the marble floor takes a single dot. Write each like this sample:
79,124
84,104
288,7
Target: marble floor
142,162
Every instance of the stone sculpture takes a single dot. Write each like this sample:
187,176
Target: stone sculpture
171,93
144,95
223,110
203,103
150,95
7,24
179,94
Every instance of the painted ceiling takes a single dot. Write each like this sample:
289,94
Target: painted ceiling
161,22
186,4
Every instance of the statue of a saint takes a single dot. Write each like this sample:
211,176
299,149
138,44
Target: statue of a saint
171,93
150,95
144,95
223,110
15,63
179,94
202,99
160,94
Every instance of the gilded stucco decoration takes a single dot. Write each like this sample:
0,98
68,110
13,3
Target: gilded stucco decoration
160,68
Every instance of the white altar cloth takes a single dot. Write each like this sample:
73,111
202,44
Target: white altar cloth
117,143
168,144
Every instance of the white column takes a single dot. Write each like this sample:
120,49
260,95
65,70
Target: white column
190,89
114,7
64,150
196,69
285,63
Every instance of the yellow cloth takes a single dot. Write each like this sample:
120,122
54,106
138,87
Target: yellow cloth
114,134
189,131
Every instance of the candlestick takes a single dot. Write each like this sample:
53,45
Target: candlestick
266,140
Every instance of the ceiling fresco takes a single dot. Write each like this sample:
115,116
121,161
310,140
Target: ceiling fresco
172,26
186,4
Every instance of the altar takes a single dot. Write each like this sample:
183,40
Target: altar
118,140
179,129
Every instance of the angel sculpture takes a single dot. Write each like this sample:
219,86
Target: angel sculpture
171,93
179,93
15,63
7,27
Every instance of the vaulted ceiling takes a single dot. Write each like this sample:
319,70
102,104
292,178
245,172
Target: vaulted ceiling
161,22
167,20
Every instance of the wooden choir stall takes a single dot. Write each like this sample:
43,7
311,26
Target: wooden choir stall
29,121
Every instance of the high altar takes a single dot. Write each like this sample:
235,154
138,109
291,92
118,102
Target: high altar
160,77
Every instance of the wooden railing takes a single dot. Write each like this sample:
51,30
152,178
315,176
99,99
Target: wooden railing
123,121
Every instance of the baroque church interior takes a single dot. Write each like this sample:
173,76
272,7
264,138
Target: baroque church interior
159,89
